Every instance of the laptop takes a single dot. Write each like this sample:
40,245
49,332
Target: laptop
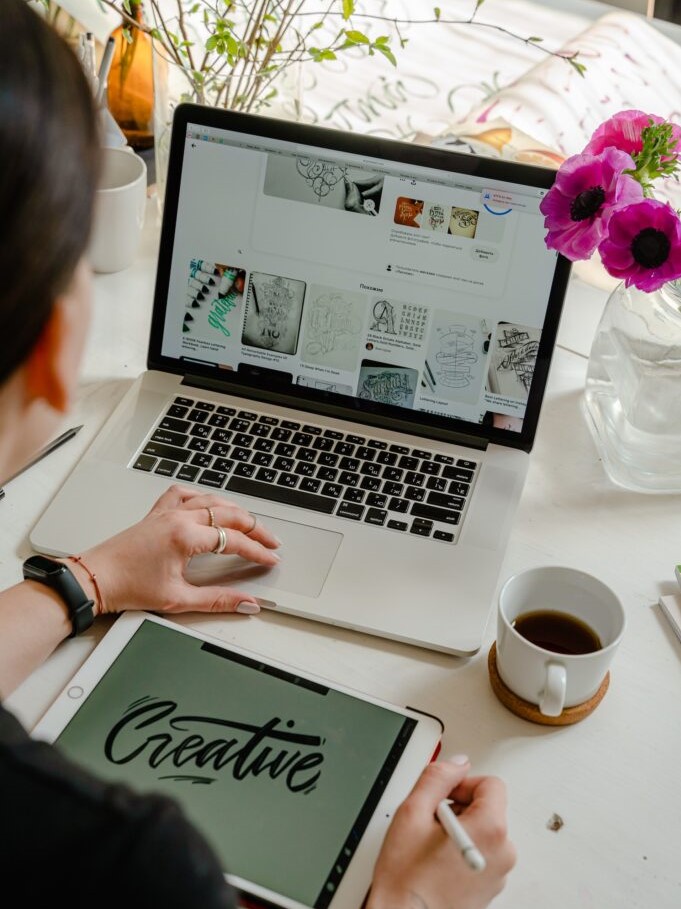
351,338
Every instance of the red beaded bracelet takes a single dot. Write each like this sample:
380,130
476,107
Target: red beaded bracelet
93,578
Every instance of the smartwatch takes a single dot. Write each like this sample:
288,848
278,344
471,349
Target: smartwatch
59,578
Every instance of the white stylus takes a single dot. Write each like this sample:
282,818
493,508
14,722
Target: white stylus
454,828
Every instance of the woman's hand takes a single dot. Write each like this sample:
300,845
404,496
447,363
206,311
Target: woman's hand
143,567
420,866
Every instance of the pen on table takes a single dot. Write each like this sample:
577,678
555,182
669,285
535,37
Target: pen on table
104,68
455,829
48,449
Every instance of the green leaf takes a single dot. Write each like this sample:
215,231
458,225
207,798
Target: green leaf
155,33
478,5
535,40
212,43
357,37
437,12
387,53
348,8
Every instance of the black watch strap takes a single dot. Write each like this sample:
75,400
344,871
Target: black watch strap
58,577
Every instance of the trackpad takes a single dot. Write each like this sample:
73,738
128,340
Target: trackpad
307,554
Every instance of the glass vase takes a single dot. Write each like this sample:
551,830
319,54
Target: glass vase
632,398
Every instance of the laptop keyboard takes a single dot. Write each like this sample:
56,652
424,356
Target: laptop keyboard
404,489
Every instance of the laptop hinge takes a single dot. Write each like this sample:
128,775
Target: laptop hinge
340,413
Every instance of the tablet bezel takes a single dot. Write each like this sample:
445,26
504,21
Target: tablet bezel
421,748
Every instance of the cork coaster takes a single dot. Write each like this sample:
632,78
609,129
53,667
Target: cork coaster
531,712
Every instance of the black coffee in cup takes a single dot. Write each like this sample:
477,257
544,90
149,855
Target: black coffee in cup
557,631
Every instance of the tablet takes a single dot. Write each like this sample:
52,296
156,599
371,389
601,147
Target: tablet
292,779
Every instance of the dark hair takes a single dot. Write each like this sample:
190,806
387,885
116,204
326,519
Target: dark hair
48,175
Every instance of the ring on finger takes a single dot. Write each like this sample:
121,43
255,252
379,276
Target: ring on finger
252,527
222,540
211,517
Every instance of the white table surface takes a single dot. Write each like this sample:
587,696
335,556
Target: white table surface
614,778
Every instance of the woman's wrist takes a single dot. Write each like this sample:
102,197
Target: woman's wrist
87,578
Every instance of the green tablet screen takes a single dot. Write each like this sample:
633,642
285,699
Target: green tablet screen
279,773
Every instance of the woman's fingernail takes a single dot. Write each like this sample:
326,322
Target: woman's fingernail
278,541
247,608
276,557
459,759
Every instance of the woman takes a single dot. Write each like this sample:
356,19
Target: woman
82,838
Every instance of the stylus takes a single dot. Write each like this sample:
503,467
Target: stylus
50,447
453,826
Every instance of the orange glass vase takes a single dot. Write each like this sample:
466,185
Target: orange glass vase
130,89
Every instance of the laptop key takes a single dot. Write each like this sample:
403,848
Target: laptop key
198,444
415,494
224,465
198,416
399,505
333,434
457,473
322,444
444,459
420,453
264,444
286,451
376,500
327,459
239,425
275,493
201,459
159,450
437,484
262,458
435,514
170,438
247,415
288,479
399,449
458,489
187,473
347,478
220,450
354,495
376,443
351,464
184,402
365,453
355,440
471,465
414,479
376,516
408,463
306,454
313,430
244,470
176,411
393,473
430,468
144,462
369,469
370,483
397,525
204,405
259,429
176,425
350,510
213,478
242,440
386,457
290,424
344,448
328,474
280,435
198,429
445,501
285,464
307,484
218,419
227,411
444,536
241,454
332,489
301,438
393,489
269,421
304,469
266,475
421,528
221,435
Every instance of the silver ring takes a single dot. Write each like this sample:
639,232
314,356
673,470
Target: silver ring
222,540
211,517
255,521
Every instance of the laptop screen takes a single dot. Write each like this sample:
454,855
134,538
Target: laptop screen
395,281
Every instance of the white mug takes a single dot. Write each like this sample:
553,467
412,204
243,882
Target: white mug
552,680
119,210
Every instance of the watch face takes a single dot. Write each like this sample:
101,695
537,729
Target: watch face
41,567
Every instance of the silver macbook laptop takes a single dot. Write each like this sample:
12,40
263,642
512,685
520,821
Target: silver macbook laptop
351,337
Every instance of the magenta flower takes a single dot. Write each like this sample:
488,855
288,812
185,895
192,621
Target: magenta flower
580,202
624,131
643,245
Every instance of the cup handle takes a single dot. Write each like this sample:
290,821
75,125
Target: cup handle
552,698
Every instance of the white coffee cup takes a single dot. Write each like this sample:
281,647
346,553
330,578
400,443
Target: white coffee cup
119,210
546,678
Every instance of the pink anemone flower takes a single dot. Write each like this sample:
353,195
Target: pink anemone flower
578,205
643,245
624,130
